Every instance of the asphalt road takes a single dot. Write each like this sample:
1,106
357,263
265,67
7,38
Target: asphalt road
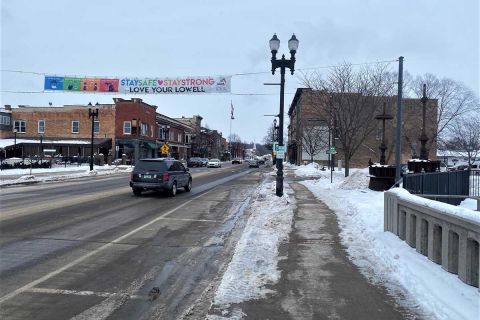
90,249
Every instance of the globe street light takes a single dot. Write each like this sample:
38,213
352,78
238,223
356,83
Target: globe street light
282,64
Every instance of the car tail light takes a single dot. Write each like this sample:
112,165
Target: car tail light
165,176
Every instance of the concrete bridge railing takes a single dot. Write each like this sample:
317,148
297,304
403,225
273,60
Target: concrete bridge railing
447,235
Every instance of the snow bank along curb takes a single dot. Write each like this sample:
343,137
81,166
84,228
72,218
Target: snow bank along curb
254,262
446,234
28,179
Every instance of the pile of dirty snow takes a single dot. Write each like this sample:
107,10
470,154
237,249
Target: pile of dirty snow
357,180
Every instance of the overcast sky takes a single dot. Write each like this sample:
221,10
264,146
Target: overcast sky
119,38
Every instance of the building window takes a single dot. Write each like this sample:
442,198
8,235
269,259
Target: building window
20,126
5,120
127,127
179,138
96,126
144,129
41,126
75,125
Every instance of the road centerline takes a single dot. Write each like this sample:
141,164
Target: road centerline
88,255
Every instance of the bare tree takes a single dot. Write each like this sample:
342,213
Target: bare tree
454,101
236,145
268,139
314,137
352,98
465,138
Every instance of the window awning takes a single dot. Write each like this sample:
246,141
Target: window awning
151,145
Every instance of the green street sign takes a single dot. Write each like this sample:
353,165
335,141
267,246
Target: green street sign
332,150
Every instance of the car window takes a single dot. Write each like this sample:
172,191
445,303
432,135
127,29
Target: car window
174,166
181,166
150,166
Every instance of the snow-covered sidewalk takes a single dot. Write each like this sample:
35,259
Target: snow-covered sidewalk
381,256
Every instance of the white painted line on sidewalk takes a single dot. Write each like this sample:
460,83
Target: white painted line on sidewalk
88,255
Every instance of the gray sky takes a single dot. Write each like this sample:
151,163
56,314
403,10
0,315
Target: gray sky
201,38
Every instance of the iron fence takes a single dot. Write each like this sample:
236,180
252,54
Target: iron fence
444,183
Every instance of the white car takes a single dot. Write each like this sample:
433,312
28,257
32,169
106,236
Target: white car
214,163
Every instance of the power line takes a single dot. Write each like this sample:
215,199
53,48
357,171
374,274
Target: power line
133,94
234,74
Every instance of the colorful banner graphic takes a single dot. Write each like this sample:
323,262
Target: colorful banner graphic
53,83
187,85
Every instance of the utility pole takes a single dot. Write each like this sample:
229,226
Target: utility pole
398,135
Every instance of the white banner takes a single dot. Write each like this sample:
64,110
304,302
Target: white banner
185,85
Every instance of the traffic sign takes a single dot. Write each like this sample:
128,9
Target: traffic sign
164,148
281,152
332,150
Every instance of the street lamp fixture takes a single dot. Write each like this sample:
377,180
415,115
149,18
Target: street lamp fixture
92,114
282,64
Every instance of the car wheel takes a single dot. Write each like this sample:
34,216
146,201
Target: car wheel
173,190
188,187
137,191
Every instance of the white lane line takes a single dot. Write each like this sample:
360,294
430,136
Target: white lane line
76,292
88,255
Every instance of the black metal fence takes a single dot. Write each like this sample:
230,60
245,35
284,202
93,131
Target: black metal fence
444,183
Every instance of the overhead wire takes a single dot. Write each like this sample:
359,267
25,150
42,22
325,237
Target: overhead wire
234,74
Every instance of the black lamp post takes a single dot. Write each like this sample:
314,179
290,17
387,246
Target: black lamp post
15,143
92,114
423,137
282,64
41,147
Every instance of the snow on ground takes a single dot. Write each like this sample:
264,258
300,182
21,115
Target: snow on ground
55,173
383,257
254,262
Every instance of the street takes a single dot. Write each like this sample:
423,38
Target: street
90,249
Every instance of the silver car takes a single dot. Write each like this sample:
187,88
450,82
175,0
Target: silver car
214,163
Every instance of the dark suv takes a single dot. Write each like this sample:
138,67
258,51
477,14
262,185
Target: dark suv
160,174
194,162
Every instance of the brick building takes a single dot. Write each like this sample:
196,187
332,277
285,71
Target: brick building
176,134
127,127
310,107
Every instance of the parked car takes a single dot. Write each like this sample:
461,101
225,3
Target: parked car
214,163
204,161
160,174
194,162
253,163
237,161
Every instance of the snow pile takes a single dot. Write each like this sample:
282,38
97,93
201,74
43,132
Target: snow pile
384,258
311,169
56,174
254,263
469,204
357,180
445,208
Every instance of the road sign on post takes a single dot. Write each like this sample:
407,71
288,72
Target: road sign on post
164,148
280,152
332,150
